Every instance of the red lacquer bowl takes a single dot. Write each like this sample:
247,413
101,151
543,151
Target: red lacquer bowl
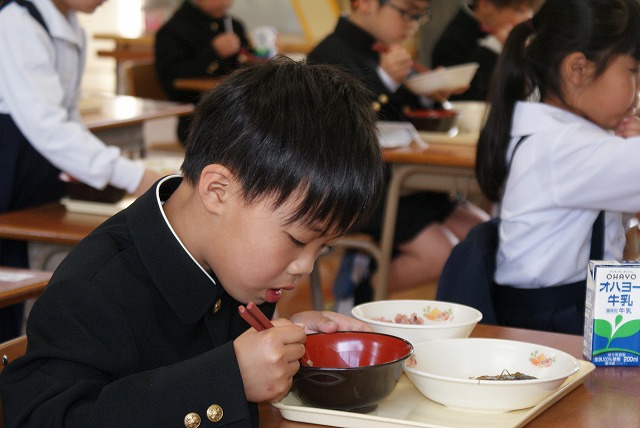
433,120
351,370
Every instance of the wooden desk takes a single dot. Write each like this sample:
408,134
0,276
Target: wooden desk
117,119
197,84
441,167
50,223
19,290
608,397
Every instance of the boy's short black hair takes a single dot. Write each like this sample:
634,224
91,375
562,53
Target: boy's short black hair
286,126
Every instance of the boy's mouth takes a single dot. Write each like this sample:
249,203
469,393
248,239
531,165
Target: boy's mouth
273,295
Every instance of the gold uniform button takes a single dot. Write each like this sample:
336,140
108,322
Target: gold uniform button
213,67
376,106
214,26
216,306
214,413
192,420
383,98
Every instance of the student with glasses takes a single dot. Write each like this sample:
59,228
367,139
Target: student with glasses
369,44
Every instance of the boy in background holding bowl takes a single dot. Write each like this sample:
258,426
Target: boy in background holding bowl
140,323
368,44
477,34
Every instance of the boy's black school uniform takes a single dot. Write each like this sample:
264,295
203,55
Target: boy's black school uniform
459,44
183,49
130,332
351,48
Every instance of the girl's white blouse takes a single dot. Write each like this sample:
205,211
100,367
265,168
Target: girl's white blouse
561,177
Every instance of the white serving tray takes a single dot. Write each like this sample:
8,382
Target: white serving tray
406,406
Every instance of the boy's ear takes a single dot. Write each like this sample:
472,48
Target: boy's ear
577,69
215,186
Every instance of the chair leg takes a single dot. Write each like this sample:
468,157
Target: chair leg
316,288
358,242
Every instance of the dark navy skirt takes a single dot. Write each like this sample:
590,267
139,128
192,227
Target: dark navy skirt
26,179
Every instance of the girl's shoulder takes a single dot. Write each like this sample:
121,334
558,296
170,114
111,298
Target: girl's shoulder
533,118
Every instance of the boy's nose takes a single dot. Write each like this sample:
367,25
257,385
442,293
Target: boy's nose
303,265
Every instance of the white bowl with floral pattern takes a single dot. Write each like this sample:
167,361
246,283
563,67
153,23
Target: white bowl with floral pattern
447,372
418,320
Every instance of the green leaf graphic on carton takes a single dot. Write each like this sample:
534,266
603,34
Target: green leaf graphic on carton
603,328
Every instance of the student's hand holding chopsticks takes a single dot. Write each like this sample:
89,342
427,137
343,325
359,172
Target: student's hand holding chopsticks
268,359
328,322
396,61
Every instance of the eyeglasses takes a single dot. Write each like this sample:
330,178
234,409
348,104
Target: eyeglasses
408,15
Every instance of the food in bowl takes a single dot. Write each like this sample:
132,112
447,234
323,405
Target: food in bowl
433,120
505,375
447,371
351,370
418,320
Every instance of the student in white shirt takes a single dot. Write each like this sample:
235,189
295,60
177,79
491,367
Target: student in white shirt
41,132
568,79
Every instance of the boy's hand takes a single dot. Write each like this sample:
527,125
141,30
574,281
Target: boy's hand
629,127
269,359
396,62
328,322
226,44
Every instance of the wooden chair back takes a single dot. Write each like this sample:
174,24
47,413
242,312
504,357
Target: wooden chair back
9,351
140,79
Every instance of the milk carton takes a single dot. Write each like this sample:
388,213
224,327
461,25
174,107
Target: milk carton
612,314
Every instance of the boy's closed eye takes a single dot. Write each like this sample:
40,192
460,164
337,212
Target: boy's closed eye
324,250
296,242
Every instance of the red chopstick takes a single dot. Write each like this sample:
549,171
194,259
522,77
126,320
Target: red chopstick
254,316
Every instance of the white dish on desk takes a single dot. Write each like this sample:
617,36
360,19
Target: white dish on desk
469,138
97,208
406,406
